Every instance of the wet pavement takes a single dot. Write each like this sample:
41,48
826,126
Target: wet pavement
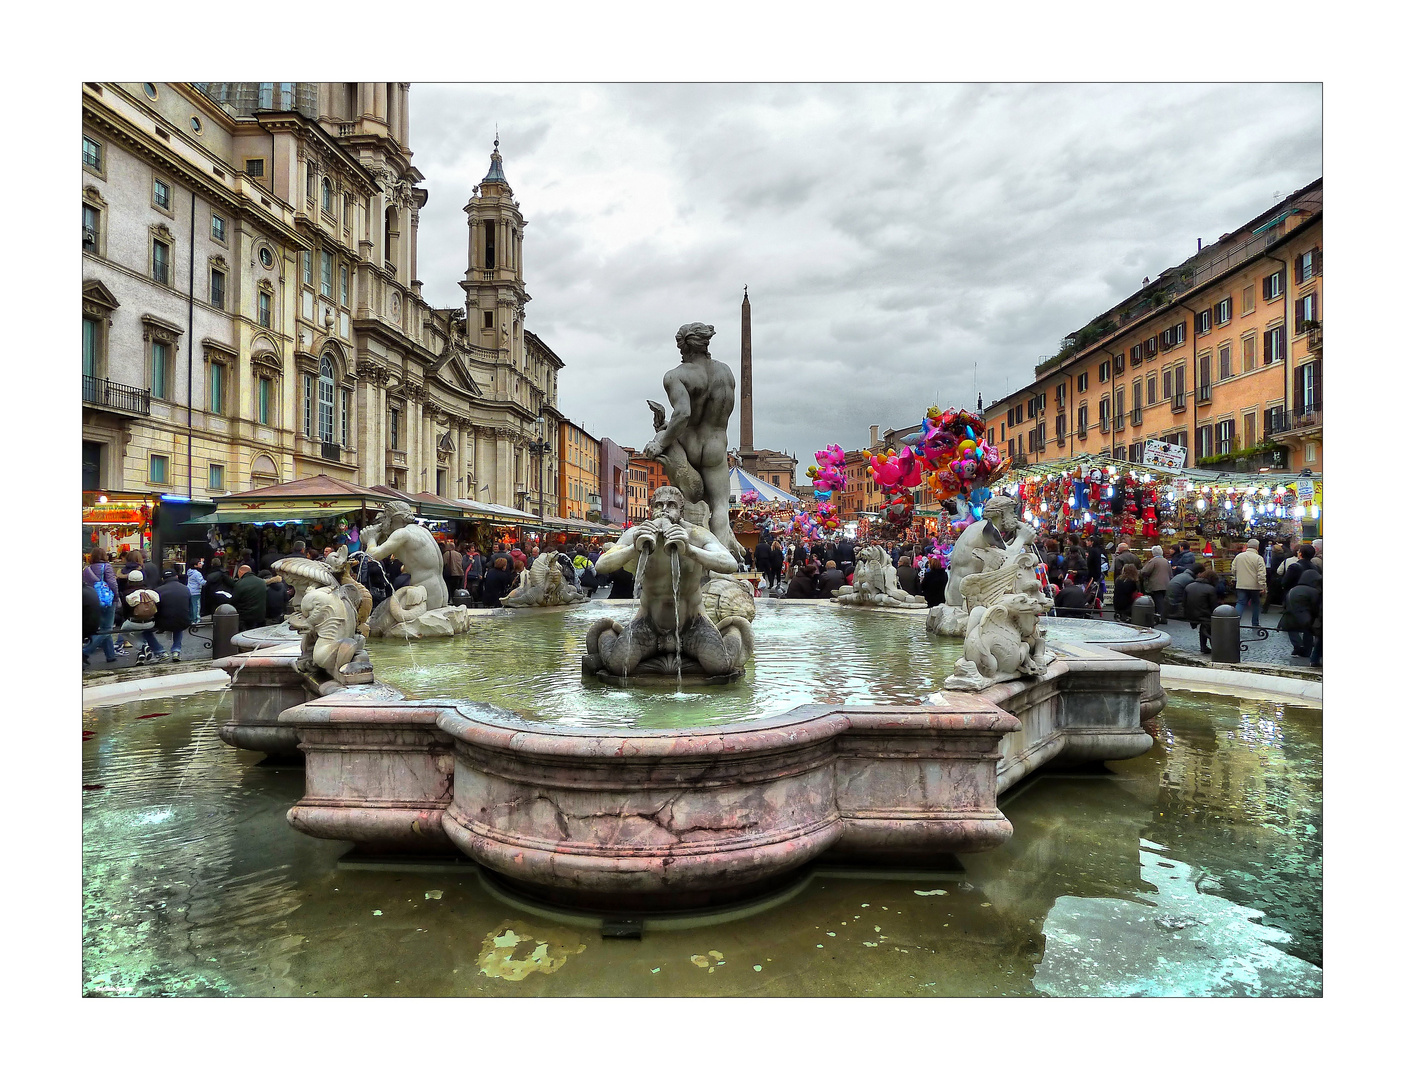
1193,870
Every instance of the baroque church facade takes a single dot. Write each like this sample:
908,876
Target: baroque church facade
253,312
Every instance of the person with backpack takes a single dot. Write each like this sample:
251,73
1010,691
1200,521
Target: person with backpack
144,603
99,576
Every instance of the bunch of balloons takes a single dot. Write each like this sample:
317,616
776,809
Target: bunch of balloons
750,498
955,456
828,472
827,515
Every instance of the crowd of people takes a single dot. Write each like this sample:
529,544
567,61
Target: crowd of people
137,598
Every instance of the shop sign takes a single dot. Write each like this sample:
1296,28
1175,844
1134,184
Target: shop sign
1163,454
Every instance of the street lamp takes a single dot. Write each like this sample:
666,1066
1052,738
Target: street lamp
538,448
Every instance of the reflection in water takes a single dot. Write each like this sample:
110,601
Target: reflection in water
1195,869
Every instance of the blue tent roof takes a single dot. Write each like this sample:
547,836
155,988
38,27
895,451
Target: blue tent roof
741,480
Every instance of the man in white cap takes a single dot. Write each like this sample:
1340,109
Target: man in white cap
1250,580
144,603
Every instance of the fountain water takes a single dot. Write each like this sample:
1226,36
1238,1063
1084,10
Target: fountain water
677,622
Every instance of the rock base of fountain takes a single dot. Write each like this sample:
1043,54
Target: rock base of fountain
664,676
441,622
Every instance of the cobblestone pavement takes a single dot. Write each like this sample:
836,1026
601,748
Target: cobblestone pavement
196,644
1278,649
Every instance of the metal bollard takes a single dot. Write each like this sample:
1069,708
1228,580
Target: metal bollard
462,598
226,624
1143,611
1224,635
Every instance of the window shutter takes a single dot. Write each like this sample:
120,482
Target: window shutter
1317,261
1298,270
1267,294
1298,377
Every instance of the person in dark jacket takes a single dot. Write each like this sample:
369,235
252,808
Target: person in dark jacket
250,598
1302,611
802,584
1125,590
934,582
498,581
761,558
279,593
1293,572
845,550
621,585
219,588
92,613
907,575
829,581
173,610
1175,592
1097,564
776,566
1201,599
1072,600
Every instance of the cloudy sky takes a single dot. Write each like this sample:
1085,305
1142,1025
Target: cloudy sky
903,245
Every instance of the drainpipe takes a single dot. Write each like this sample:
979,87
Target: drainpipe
1194,374
1112,397
190,359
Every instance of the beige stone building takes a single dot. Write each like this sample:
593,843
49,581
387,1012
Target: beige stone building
252,312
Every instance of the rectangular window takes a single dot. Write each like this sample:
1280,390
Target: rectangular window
1148,347
265,310
1223,310
254,166
1180,385
160,364
1019,414
1136,354
1137,395
1119,362
1104,371
1274,421
91,223
1226,362
1166,383
309,393
307,267
1247,307
395,429
1202,322
217,288
1247,350
216,477
92,154
161,194
326,273
1251,437
90,348
1083,421
217,389
1204,442
265,399
487,320
217,228
1224,437
1120,411
1151,389
1134,452
1304,312
1203,377
160,262
1083,382
1274,341
345,287
345,417
156,473
1273,285
1307,265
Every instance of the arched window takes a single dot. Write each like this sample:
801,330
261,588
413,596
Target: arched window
326,399
326,195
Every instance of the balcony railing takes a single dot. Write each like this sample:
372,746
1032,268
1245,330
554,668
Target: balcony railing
1202,394
1083,431
1276,423
1314,340
1307,416
1136,417
110,395
345,131
1105,424
1178,401
331,451
1119,422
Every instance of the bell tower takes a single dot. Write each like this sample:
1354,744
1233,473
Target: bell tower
496,299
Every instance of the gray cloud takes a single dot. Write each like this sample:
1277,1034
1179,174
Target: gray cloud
894,238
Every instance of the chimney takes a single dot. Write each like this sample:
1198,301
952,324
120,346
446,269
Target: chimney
872,435
1199,240
746,446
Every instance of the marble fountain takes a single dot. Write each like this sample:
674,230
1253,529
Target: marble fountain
690,748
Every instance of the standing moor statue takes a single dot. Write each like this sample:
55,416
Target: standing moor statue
692,444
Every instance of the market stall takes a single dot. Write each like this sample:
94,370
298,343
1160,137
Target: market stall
117,521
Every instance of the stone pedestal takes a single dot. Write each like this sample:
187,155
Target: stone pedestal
264,686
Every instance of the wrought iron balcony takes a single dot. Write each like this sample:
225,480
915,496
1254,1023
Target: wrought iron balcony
106,394
1178,402
1105,424
1314,340
1202,394
331,451
1307,415
1082,431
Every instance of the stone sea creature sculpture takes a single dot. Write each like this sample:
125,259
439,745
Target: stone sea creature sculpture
304,574
876,583
332,649
727,598
983,545
1003,637
546,586
670,632
421,608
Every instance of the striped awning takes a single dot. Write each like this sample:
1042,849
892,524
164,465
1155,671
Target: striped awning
745,481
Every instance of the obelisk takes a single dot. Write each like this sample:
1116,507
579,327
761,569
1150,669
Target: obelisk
746,447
